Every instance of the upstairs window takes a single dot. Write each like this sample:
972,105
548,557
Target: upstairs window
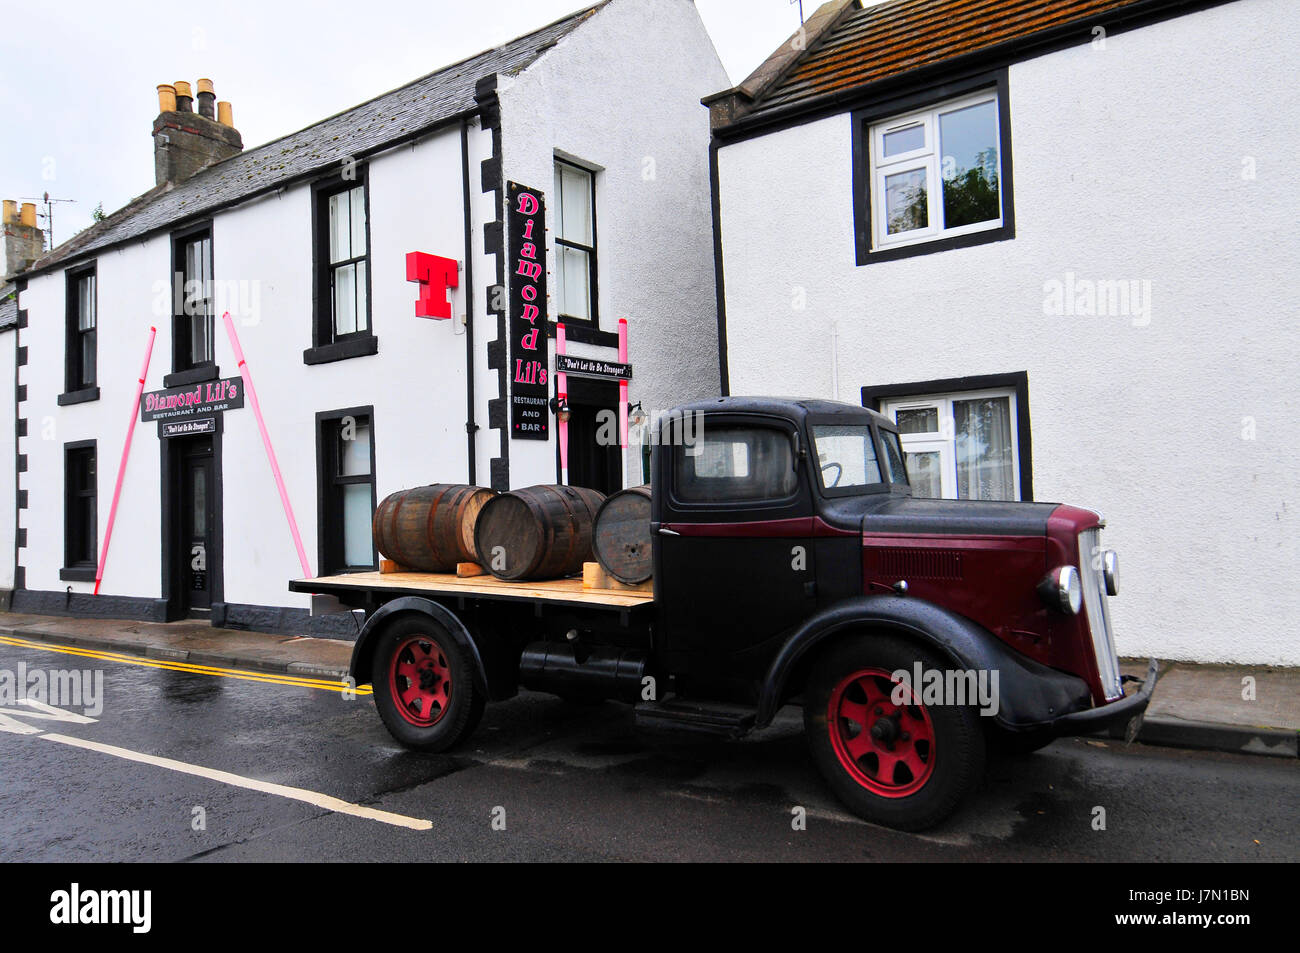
194,320
934,178
575,242
82,318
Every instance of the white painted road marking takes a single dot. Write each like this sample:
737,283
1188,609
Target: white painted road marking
252,784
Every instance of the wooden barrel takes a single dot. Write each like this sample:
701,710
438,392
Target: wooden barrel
539,532
430,528
622,535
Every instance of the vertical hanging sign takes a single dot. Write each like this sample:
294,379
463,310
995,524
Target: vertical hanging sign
526,251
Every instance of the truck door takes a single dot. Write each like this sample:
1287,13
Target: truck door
735,555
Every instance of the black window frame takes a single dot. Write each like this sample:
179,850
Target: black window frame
593,269
330,542
326,345
184,370
77,537
75,389
931,97
875,397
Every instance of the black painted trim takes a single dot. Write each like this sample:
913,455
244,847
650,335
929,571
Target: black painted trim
343,350
78,396
471,428
583,333
322,308
194,375
20,429
54,602
180,362
329,524
285,620
862,121
76,570
71,352
1075,33
168,456
492,181
592,323
719,276
874,397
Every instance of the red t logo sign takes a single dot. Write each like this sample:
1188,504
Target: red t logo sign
435,276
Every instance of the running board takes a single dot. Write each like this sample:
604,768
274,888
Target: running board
713,718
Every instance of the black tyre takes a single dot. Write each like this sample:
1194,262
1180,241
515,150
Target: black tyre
1014,743
424,685
905,766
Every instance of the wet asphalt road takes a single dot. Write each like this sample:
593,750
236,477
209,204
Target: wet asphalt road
573,784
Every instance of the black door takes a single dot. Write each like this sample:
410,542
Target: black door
736,568
195,558
595,457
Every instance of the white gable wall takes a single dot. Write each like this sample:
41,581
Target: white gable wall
1128,164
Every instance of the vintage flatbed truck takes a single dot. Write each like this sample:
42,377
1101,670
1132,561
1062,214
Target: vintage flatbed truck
791,564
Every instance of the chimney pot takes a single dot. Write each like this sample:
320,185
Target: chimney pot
11,212
184,98
207,98
166,98
29,214
224,114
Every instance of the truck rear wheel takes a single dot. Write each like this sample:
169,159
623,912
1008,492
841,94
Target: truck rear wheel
905,765
424,685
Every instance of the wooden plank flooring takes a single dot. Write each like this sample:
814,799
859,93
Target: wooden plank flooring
551,590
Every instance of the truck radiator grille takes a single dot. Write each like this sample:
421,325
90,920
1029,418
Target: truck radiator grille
1098,609
919,563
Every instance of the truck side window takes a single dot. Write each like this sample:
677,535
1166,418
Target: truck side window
736,463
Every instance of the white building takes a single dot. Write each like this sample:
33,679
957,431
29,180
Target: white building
946,209
308,241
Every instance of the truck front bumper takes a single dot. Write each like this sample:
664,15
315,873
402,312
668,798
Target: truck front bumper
1127,712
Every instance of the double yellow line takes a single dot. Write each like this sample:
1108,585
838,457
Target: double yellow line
173,666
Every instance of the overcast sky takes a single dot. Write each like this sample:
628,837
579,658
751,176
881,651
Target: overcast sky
77,78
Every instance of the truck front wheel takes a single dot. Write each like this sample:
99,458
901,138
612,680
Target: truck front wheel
889,758
424,685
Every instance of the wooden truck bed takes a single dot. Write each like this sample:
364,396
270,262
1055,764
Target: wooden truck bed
568,592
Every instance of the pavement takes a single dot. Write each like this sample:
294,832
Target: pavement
1244,709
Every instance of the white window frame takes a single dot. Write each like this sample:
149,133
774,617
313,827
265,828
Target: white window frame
926,158
945,439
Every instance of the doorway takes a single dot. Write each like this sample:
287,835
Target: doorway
192,553
595,460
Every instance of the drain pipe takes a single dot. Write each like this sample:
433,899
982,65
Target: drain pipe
470,427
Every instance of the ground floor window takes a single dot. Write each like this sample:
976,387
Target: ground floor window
80,519
966,444
346,465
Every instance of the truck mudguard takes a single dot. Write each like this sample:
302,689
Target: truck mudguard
362,654
1029,694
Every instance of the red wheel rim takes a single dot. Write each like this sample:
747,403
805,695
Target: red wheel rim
888,749
420,680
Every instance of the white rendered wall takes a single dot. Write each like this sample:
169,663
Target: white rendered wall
622,95
1128,164
8,436
416,383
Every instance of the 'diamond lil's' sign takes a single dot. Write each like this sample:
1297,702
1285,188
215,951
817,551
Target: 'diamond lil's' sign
526,258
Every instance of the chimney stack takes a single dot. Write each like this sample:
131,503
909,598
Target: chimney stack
186,141
23,240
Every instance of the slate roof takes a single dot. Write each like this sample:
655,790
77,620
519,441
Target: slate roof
8,307
394,116
859,45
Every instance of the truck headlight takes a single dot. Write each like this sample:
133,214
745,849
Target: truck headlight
1062,589
1110,571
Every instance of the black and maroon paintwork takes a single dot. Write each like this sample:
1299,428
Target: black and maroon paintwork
738,628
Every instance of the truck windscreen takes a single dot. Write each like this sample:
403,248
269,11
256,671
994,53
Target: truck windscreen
846,456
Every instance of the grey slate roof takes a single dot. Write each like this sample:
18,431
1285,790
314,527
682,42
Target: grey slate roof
8,307
395,115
